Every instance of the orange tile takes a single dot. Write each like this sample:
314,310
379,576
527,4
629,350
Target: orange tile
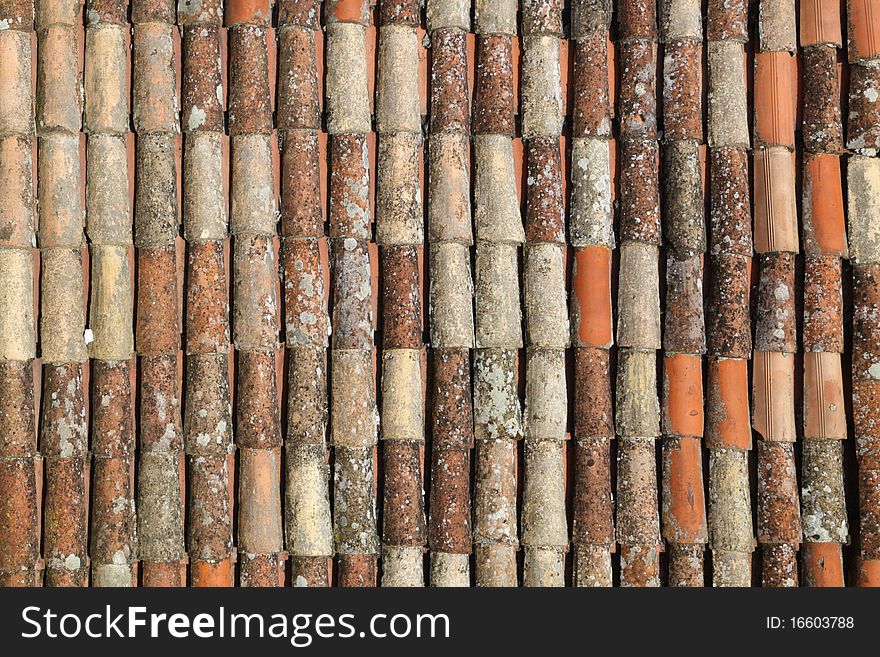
774,99
348,11
684,506
823,204
863,18
249,12
823,564
824,411
683,395
729,420
869,572
775,205
773,396
820,22
592,292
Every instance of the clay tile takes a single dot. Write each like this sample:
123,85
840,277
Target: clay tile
866,418
866,323
824,411
298,93
824,504
637,19
592,565
347,11
249,105
593,517
639,565
774,99
18,533
205,573
449,81
638,321
869,572
257,401
777,29
868,448
727,20
207,321
305,313
403,520
773,396
589,17
729,327
301,202
682,91
684,330
493,92
823,564
157,328
357,570
17,422
153,11
545,213
16,111
820,23
301,13
869,514
495,16
775,326
400,297
823,305
775,203
450,531
207,412
863,29
728,418
352,314
248,12
202,85
730,217
637,517
638,104
863,209
821,123
399,12
591,300
727,99
594,416
306,415
682,395
200,12
16,192
592,111
778,506
779,561
19,14
685,227
106,11
637,409
639,193
349,206
542,17
684,508
452,411
863,120
680,20
449,14
823,220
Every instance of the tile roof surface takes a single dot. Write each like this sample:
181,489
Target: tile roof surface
439,292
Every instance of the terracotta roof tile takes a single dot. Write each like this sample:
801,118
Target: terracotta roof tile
546,189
